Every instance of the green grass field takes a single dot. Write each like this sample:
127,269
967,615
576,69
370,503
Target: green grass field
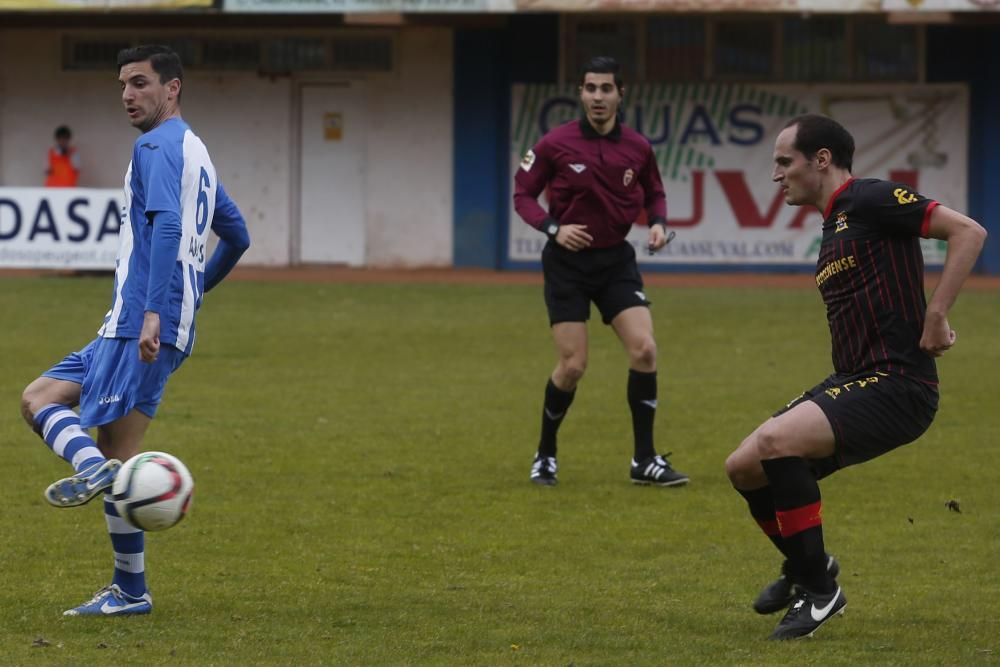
361,456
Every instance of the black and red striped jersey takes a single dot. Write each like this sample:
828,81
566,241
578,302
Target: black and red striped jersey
871,276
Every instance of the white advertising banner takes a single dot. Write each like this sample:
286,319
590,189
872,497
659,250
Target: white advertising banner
367,6
714,146
720,6
59,228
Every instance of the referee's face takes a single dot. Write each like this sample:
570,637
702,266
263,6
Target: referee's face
600,98
798,177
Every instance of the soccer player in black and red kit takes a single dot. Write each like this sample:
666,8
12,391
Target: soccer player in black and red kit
883,392
600,176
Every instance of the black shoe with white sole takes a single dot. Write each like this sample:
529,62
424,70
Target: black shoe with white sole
543,470
656,470
808,612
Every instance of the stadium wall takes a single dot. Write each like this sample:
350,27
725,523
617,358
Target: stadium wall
956,54
249,122
487,60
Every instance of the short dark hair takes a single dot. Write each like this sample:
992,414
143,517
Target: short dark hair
62,132
163,59
816,131
602,65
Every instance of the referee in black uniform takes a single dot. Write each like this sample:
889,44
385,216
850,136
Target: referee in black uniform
883,392
600,176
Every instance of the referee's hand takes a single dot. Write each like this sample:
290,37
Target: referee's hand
574,237
657,238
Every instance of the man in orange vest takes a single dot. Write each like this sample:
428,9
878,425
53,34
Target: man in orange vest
64,164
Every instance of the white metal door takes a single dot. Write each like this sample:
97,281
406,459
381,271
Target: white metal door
332,174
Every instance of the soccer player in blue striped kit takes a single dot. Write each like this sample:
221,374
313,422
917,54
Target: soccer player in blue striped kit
172,198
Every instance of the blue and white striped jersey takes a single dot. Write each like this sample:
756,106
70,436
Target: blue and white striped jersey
170,171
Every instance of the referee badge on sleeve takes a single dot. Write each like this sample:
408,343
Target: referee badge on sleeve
528,160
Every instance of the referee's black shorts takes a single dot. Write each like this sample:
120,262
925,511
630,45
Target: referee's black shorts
871,413
607,276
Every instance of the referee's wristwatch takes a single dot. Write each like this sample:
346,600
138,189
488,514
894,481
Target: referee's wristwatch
551,228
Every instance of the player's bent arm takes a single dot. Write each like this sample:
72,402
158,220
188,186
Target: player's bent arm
221,263
234,239
965,239
227,221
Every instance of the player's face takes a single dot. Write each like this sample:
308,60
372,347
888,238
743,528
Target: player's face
799,180
600,98
147,101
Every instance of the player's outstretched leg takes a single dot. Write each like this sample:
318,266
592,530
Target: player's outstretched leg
81,488
113,601
60,428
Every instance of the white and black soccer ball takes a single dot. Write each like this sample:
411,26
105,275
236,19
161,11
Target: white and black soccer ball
152,491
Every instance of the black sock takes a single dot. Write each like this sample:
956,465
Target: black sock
642,402
798,509
761,502
557,402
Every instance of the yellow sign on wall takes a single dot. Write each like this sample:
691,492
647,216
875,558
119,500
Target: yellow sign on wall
333,126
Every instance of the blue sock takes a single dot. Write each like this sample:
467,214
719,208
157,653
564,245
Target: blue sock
60,428
129,545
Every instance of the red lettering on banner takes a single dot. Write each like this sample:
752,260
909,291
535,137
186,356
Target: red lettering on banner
742,203
744,207
697,202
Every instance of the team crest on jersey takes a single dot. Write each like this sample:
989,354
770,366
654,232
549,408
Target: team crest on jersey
528,160
903,196
841,222
629,175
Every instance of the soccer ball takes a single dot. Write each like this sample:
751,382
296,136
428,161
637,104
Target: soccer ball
152,491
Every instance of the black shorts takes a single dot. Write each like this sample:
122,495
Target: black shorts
871,414
607,276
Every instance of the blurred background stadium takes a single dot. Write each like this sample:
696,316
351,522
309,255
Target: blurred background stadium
361,451
384,132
